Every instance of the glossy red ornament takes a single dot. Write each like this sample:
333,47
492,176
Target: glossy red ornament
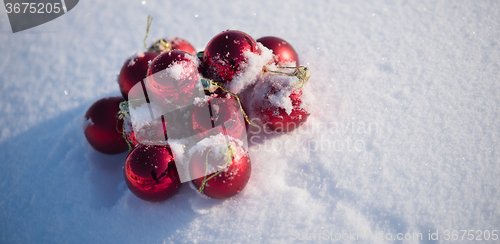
225,183
173,78
224,55
172,43
153,133
171,125
276,118
133,71
223,113
102,126
282,50
151,174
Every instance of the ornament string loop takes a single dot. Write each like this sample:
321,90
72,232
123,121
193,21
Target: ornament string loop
160,45
229,157
150,20
300,72
210,86
122,114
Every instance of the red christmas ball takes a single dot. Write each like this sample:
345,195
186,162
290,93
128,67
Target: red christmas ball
173,78
221,112
276,118
151,174
172,43
282,50
102,126
153,133
133,71
225,182
224,55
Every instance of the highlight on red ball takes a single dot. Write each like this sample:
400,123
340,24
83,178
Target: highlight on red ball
172,109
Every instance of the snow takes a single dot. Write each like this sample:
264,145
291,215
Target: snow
201,101
218,148
283,86
144,114
251,70
134,58
176,71
181,70
218,139
86,123
422,75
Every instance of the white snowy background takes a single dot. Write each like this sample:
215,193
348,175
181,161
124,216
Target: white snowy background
407,91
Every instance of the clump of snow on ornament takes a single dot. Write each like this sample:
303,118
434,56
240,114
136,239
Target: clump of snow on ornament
178,147
143,127
173,79
277,100
276,90
201,101
133,59
141,115
219,166
218,139
86,123
251,69
177,71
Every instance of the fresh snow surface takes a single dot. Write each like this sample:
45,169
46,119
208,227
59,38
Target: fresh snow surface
403,137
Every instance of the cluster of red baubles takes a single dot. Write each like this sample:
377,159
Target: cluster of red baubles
150,170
